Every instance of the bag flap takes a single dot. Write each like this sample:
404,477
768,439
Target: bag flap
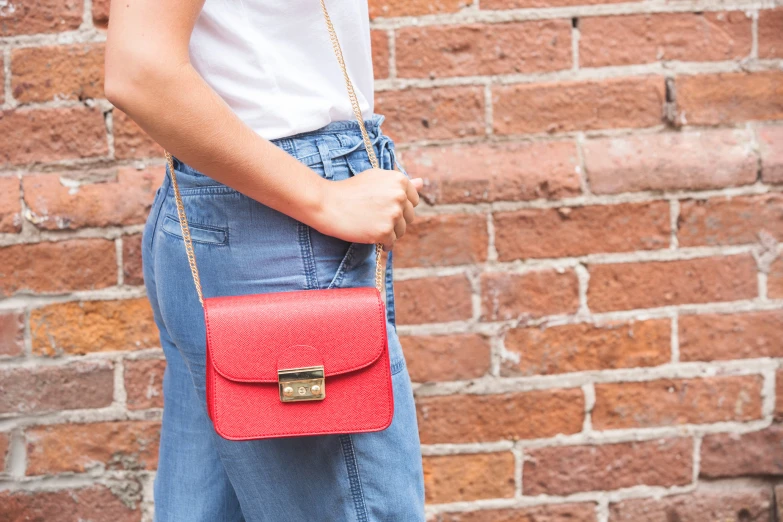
251,336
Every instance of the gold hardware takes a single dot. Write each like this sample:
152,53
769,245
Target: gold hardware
307,383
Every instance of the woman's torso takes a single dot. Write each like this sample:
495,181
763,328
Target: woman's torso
272,61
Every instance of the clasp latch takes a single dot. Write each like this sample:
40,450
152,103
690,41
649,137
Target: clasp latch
301,384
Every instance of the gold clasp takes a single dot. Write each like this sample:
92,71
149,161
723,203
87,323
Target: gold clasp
301,384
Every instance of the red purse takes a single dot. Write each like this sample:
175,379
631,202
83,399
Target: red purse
309,362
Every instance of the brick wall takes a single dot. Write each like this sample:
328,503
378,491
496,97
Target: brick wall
592,303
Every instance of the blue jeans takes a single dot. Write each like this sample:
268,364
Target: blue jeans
243,247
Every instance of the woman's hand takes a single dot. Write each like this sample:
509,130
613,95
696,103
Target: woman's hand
375,206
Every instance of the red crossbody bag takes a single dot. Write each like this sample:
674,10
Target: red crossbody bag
309,362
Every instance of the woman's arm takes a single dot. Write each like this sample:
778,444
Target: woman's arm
150,78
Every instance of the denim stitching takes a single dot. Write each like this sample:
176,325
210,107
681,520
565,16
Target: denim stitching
354,479
343,268
308,257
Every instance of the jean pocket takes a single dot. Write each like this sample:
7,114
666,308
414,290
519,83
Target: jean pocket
199,232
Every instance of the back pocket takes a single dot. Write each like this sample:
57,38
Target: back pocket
199,233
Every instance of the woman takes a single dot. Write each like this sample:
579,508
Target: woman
280,195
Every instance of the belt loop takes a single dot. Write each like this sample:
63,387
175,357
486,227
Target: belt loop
326,157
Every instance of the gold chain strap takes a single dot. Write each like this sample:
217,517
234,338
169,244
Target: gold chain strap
183,221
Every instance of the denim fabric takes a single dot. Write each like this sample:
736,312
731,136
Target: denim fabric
243,247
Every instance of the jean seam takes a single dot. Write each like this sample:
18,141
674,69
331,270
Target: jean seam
354,479
308,257
343,268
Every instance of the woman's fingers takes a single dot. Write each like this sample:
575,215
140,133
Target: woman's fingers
412,190
408,212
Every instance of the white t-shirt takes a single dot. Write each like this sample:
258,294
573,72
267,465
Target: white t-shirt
272,61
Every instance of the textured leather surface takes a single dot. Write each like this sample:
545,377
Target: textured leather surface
250,337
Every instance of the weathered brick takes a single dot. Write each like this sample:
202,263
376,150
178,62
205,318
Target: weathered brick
521,4
729,504
778,507
387,8
721,99
584,105
582,512
40,135
61,72
769,34
771,147
10,205
531,294
483,49
433,300
713,337
379,44
446,357
51,388
569,469
93,503
447,239
730,221
509,416
670,402
100,13
144,383
429,114
125,445
130,141
670,161
487,172
132,272
92,326
41,16
626,286
5,442
11,333
735,455
125,200
645,38
572,231
775,279
779,395
61,266
455,478
584,347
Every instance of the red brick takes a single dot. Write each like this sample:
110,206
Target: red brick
734,455
583,512
130,141
433,300
390,8
41,135
446,357
51,388
509,416
5,442
626,286
488,172
380,53
779,395
144,383
125,200
771,147
455,478
670,161
41,16
735,503
730,221
12,333
430,114
132,272
447,239
569,469
645,38
775,279
93,326
578,231
770,34
713,337
100,13
483,49
584,105
520,4
585,347
721,99
56,267
10,205
93,503
532,294
62,72
128,445
671,402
